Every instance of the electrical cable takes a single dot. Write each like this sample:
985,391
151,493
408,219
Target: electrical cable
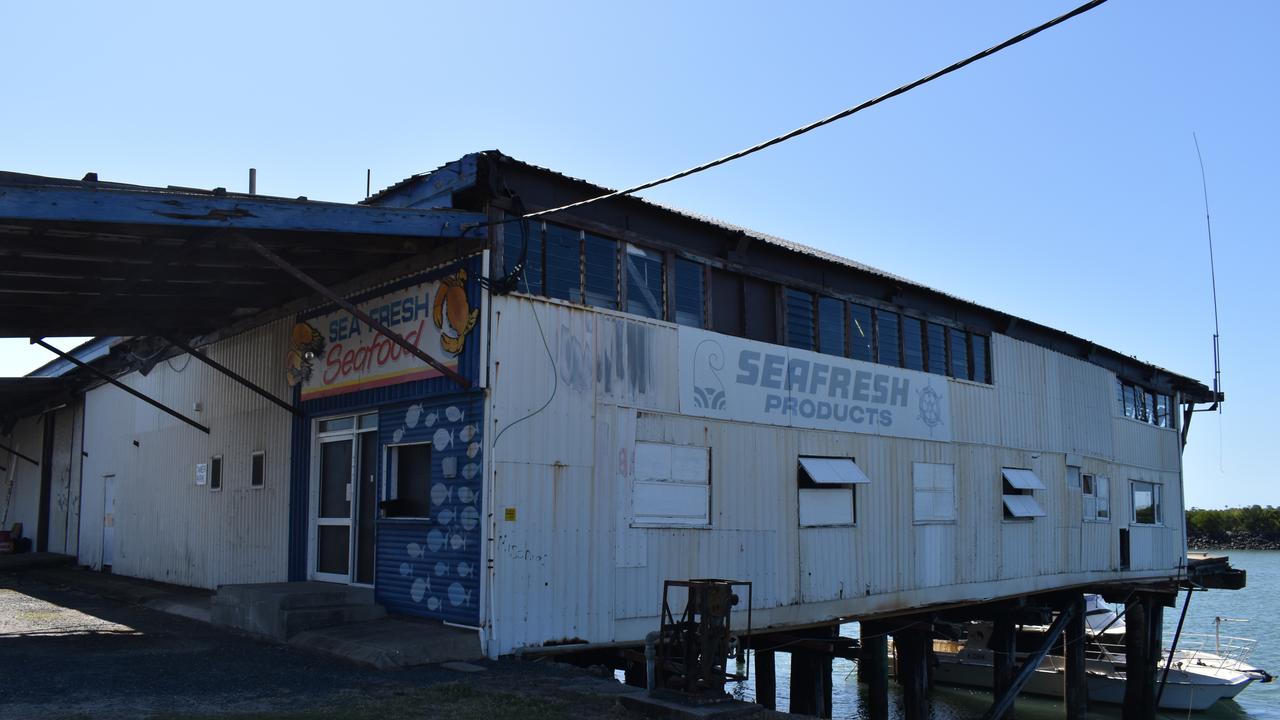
555,372
824,121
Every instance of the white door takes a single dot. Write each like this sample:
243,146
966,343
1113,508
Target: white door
333,511
108,519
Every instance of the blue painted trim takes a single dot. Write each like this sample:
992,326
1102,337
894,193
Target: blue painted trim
433,189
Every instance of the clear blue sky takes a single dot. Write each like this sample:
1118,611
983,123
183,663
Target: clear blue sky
1057,180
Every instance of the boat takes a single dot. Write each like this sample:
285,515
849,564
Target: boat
1204,669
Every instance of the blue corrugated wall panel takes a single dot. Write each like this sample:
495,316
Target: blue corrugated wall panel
365,400
432,569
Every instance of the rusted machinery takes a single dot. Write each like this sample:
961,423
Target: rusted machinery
692,651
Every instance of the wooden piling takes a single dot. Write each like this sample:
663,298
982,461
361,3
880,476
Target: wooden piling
873,669
1003,645
766,679
1139,684
911,645
1075,690
805,684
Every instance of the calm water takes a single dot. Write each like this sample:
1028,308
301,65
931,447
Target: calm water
1259,603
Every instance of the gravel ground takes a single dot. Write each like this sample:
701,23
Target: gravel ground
72,654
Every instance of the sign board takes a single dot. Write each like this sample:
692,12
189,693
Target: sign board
745,380
338,353
202,473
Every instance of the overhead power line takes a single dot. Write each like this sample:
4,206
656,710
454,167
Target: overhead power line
827,120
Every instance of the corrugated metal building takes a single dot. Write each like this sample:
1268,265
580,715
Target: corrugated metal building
646,394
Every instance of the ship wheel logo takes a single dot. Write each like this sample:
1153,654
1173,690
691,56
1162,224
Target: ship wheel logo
930,407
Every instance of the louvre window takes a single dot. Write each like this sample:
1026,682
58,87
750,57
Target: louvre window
860,333
937,336
516,244
644,282
1141,404
912,343
600,260
887,352
564,271
831,326
690,279
981,358
1018,494
826,491
800,332
958,340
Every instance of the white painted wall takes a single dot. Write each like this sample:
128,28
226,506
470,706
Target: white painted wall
570,566
20,481
166,527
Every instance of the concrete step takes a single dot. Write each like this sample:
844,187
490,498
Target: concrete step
392,643
281,610
299,620
296,594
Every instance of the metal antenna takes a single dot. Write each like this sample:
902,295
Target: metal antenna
1213,276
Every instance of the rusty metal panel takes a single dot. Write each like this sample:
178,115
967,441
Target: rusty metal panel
166,527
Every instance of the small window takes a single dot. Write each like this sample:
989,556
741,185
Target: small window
600,260
672,485
959,341
257,471
887,351
337,424
981,358
644,282
368,421
1146,502
215,472
1097,498
912,343
937,340
1163,408
1018,494
826,491
1130,401
1073,477
564,272
831,326
860,333
408,485
934,493
690,279
800,308
516,245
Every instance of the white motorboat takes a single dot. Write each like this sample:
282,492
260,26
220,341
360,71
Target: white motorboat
1204,670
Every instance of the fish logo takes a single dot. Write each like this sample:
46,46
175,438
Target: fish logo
305,344
452,312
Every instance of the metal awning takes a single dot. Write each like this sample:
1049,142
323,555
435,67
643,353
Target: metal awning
1022,506
1021,479
833,471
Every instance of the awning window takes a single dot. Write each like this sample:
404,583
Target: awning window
1020,479
833,471
1022,506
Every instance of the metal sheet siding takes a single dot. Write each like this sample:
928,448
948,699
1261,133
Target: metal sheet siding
432,569
166,527
62,492
572,566
20,481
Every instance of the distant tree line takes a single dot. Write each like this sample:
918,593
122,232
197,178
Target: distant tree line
1254,520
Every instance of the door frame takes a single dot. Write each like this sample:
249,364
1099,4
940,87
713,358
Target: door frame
314,521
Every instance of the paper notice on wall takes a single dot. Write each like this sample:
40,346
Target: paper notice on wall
202,473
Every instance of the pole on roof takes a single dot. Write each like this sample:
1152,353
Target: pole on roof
364,317
185,347
15,452
105,376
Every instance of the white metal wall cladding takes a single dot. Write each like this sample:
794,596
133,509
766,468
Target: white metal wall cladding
20,481
64,489
167,527
570,565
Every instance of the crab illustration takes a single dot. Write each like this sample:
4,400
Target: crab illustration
305,343
452,312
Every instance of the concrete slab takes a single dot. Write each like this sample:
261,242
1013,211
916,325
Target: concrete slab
34,560
192,607
392,643
464,667
279,611
661,708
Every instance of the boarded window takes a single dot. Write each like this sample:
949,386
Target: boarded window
726,302
257,470
937,348
689,292
516,245
759,307
912,343
1073,477
831,327
644,282
1018,494
672,485
800,325
887,351
959,342
600,260
215,472
408,481
861,335
1146,502
981,358
933,493
564,272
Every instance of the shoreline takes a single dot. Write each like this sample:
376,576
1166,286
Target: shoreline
1233,541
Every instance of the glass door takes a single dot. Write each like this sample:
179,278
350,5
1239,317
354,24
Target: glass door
345,499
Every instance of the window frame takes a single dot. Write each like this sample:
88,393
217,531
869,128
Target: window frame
1010,488
390,465
669,522
934,490
1157,502
807,486
258,466
215,473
